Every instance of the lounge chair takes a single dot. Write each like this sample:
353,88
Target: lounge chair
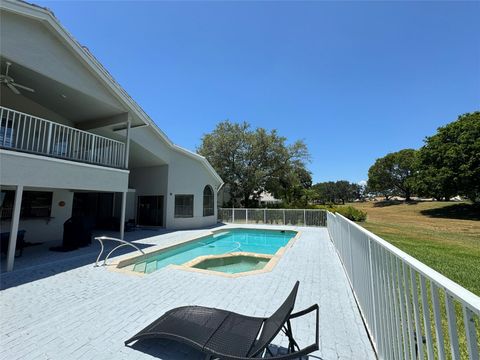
228,335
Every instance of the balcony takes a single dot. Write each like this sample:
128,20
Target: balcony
31,134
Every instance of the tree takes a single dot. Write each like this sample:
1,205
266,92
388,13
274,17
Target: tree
325,192
394,173
250,160
449,162
334,192
345,191
291,185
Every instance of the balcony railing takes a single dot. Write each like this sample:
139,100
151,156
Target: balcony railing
28,133
410,310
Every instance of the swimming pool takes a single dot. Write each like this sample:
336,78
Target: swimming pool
224,242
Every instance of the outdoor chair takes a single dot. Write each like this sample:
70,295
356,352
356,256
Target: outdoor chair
228,335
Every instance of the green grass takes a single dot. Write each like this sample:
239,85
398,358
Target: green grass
451,246
442,235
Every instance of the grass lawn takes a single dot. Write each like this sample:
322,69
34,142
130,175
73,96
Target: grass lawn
443,235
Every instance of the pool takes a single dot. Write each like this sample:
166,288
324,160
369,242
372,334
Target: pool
223,242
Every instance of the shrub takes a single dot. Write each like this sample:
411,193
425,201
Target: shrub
352,213
349,212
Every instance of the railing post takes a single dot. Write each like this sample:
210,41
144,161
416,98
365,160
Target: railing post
265,215
284,217
49,138
246,216
304,217
372,288
350,250
469,322
233,215
127,143
92,155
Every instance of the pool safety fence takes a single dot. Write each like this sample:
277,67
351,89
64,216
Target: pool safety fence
410,310
295,217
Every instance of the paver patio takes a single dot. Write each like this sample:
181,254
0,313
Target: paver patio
83,312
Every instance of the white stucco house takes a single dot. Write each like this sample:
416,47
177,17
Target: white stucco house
74,143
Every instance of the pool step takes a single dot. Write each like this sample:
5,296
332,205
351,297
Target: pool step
150,266
140,267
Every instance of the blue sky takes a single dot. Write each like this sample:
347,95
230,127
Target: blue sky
355,80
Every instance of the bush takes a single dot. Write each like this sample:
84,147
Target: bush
352,213
348,211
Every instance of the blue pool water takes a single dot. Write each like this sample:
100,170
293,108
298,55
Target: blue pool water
246,240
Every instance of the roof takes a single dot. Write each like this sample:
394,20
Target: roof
46,15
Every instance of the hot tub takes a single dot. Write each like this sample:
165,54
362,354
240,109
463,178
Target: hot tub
233,263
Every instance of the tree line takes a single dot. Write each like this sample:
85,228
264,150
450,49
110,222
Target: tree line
447,165
255,161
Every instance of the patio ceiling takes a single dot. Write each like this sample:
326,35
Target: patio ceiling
65,100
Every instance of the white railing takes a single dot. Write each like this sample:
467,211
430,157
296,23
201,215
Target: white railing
410,310
298,217
27,133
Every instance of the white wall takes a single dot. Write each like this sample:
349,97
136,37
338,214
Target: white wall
18,168
44,229
149,180
32,44
188,176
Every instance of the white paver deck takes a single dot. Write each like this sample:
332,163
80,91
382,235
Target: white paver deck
82,312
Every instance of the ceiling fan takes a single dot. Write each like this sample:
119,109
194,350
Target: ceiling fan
12,85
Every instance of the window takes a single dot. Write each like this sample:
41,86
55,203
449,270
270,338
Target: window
34,204
208,201
183,206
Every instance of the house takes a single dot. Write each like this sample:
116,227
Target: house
265,198
74,143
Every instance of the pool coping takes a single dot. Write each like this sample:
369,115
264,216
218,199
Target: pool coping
121,263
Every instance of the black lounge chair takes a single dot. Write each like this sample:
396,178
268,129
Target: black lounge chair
228,335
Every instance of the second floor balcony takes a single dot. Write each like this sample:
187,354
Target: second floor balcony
27,133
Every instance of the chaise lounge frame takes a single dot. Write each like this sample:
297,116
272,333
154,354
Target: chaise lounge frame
230,336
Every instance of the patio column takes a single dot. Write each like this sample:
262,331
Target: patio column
122,216
12,243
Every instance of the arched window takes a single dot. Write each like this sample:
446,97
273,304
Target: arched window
208,201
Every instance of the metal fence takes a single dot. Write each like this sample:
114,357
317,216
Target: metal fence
410,310
27,133
298,217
